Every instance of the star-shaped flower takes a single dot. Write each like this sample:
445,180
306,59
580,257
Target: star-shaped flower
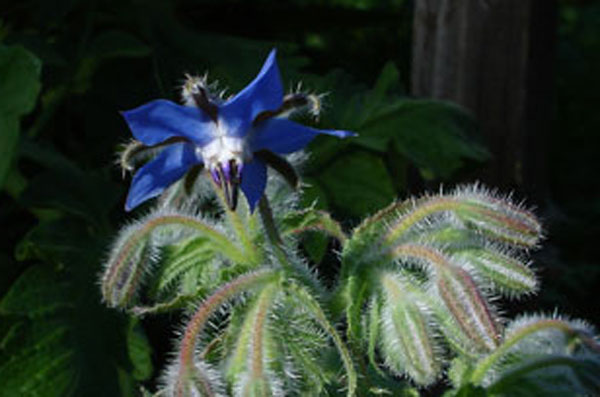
234,139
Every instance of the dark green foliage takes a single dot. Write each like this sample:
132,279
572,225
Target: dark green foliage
394,132
19,88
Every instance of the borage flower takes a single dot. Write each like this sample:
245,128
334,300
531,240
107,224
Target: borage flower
234,139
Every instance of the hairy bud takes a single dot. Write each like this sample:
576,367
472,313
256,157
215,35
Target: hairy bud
407,340
459,292
126,266
509,275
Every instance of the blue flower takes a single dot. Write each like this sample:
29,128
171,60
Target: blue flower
234,139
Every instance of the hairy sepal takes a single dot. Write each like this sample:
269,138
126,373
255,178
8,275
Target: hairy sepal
497,216
459,292
188,346
407,339
137,247
471,207
131,258
255,378
510,275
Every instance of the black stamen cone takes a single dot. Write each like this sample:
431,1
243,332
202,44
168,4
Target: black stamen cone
230,183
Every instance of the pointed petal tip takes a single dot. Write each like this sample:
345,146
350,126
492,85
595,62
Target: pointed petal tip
134,200
125,113
129,203
345,134
252,202
284,136
252,206
263,93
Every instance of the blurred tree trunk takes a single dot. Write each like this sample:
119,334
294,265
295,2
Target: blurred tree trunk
496,58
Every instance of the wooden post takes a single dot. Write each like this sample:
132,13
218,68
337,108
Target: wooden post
494,57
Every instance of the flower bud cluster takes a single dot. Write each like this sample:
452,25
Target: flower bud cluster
434,267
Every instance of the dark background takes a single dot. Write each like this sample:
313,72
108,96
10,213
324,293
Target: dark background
524,72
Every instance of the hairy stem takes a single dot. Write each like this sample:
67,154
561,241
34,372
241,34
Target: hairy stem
265,300
212,303
272,233
238,227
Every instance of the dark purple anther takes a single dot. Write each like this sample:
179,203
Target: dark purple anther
234,171
227,171
215,176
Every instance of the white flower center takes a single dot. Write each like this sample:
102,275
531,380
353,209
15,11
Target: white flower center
223,149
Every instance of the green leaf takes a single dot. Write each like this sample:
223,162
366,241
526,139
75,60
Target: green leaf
44,367
19,88
50,241
432,134
320,226
19,80
311,220
59,299
37,292
180,259
139,350
315,245
358,183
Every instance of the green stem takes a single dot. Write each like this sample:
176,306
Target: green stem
268,221
241,231
221,241
264,302
272,233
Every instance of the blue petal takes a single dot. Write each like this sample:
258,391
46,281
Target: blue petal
254,180
264,93
155,176
284,136
159,120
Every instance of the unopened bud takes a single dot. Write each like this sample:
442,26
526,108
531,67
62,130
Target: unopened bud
407,340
